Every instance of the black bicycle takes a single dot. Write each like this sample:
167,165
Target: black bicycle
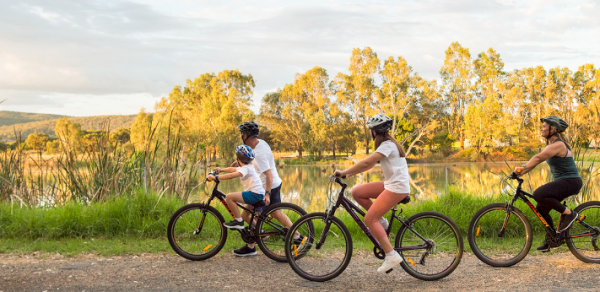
500,235
196,231
430,243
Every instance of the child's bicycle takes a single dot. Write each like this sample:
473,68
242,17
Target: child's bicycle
500,235
430,243
196,231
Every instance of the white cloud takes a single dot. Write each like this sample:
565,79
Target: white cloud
61,55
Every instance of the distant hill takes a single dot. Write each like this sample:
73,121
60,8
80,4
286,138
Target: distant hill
8,118
7,133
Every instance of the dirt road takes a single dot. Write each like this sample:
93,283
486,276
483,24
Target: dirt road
556,272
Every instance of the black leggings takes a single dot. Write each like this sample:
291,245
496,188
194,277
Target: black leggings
551,194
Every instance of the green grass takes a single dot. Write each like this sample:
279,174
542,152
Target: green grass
137,224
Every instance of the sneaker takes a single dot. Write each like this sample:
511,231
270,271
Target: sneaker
234,224
390,262
298,241
384,223
545,247
245,251
566,221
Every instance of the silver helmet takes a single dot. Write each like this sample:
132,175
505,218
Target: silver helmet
380,123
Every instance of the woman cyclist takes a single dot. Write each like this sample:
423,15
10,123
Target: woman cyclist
390,154
565,177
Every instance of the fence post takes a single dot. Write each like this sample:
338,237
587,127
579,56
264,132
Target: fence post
145,180
446,180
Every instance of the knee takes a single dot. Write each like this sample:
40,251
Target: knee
370,217
538,195
356,195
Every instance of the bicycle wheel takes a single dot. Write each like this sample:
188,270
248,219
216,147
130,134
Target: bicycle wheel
442,258
316,262
196,232
585,244
273,224
500,250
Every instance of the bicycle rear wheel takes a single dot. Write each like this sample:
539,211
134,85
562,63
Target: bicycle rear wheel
196,232
316,262
585,244
446,250
273,225
493,248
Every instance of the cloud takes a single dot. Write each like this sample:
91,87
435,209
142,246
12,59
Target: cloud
60,55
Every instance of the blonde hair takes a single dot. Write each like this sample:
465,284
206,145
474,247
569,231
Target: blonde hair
385,137
562,136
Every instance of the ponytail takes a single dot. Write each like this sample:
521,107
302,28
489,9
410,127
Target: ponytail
385,137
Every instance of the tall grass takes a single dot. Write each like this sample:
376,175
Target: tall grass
109,169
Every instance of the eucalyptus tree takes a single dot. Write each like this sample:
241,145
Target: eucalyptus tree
458,86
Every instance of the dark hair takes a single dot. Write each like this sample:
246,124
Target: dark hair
380,138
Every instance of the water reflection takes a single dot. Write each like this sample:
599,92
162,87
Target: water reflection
306,186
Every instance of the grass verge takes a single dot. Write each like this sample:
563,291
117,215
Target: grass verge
137,224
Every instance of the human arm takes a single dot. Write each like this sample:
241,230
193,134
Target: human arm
228,169
550,151
362,165
226,176
268,183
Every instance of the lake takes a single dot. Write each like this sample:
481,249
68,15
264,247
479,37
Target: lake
306,186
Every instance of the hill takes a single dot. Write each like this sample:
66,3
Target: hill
7,133
8,118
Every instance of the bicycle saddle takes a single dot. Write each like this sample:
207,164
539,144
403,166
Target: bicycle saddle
405,200
259,204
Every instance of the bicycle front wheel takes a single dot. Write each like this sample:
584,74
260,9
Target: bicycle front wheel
495,246
196,232
324,251
272,227
582,240
444,246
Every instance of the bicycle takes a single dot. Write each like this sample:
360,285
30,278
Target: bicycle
196,231
495,228
430,243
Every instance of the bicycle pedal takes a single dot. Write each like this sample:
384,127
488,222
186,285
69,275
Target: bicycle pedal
389,271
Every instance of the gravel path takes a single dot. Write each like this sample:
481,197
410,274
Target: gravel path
555,272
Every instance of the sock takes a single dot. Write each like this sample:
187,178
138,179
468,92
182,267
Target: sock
239,219
391,253
297,236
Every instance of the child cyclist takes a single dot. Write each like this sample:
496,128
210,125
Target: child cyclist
253,190
390,154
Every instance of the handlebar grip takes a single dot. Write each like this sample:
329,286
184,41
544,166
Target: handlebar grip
338,176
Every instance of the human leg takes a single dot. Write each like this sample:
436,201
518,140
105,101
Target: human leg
363,194
384,203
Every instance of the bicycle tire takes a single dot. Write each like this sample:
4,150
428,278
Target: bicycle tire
441,255
274,232
496,223
592,217
188,246
304,264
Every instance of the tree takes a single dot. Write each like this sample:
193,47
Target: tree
458,88
299,111
122,135
356,92
141,129
489,69
397,89
68,133
483,124
37,141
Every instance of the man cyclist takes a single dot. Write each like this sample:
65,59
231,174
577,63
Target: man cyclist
565,176
264,163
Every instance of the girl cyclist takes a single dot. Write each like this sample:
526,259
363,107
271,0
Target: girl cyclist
566,180
390,154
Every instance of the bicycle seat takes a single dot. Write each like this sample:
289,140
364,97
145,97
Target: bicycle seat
405,200
259,204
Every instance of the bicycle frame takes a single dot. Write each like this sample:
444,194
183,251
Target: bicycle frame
352,209
216,193
520,194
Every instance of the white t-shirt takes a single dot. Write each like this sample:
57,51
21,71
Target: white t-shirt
263,161
250,180
395,169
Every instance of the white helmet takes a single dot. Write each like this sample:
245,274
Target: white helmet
380,123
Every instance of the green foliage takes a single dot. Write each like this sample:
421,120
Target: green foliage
37,141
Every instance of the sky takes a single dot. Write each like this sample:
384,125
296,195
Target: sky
83,58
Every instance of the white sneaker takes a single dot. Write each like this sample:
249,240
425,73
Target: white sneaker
390,262
384,223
